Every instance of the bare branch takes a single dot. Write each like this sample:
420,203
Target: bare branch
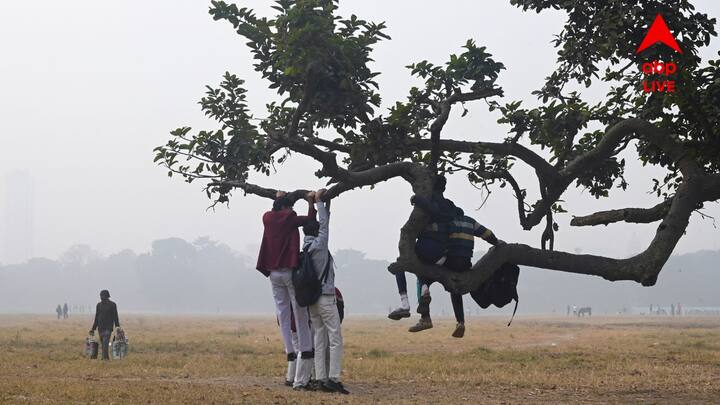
259,191
630,215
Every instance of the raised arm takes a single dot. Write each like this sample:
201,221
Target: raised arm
321,241
300,220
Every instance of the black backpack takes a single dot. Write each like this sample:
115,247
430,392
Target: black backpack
499,289
308,287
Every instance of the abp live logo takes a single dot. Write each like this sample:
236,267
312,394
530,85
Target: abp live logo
659,33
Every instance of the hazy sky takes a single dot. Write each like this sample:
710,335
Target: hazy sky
89,88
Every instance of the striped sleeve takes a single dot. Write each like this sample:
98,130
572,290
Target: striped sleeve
484,233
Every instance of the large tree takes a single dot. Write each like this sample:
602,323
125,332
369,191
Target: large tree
328,109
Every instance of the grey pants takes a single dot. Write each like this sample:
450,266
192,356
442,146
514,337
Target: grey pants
105,343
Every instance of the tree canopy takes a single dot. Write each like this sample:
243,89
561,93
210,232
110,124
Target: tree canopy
318,64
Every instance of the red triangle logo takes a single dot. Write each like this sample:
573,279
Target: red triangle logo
659,32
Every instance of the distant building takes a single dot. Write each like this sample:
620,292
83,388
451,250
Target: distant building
18,218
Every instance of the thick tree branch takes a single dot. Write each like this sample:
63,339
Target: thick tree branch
352,180
616,134
249,188
630,215
642,268
406,170
557,181
496,148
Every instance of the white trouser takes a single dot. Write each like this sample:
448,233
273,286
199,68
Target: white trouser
290,376
326,323
284,295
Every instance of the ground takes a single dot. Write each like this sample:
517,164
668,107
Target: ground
240,360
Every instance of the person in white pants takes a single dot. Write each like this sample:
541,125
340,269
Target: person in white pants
284,294
277,258
324,313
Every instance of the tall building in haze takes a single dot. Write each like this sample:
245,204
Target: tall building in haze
18,222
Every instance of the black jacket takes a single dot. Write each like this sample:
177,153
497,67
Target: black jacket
106,316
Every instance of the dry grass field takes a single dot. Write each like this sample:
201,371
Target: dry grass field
232,360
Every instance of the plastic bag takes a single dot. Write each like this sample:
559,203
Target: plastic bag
120,345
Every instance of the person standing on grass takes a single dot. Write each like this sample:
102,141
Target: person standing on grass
106,317
58,310
65,311
279,255
324,314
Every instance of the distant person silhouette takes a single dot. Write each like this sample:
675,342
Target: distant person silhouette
59,311
65,311
106,316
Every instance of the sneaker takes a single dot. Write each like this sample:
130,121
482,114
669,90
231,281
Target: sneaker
423,323
424,304
288,383
459,331
325,388
315,385
335,386
399,313
305,387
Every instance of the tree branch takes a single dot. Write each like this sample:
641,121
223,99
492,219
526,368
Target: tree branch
259,191
440,121
642,268
329,145
507,149
630,215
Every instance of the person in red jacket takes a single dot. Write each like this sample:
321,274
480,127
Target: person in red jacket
279,255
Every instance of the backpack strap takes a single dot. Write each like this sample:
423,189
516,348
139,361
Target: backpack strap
326,272
514,310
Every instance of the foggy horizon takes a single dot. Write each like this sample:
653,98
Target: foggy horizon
207,277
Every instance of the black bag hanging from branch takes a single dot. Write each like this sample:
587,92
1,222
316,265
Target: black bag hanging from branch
499,289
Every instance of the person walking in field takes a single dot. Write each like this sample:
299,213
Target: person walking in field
324,314
106,317
279,255
58,310
65,311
